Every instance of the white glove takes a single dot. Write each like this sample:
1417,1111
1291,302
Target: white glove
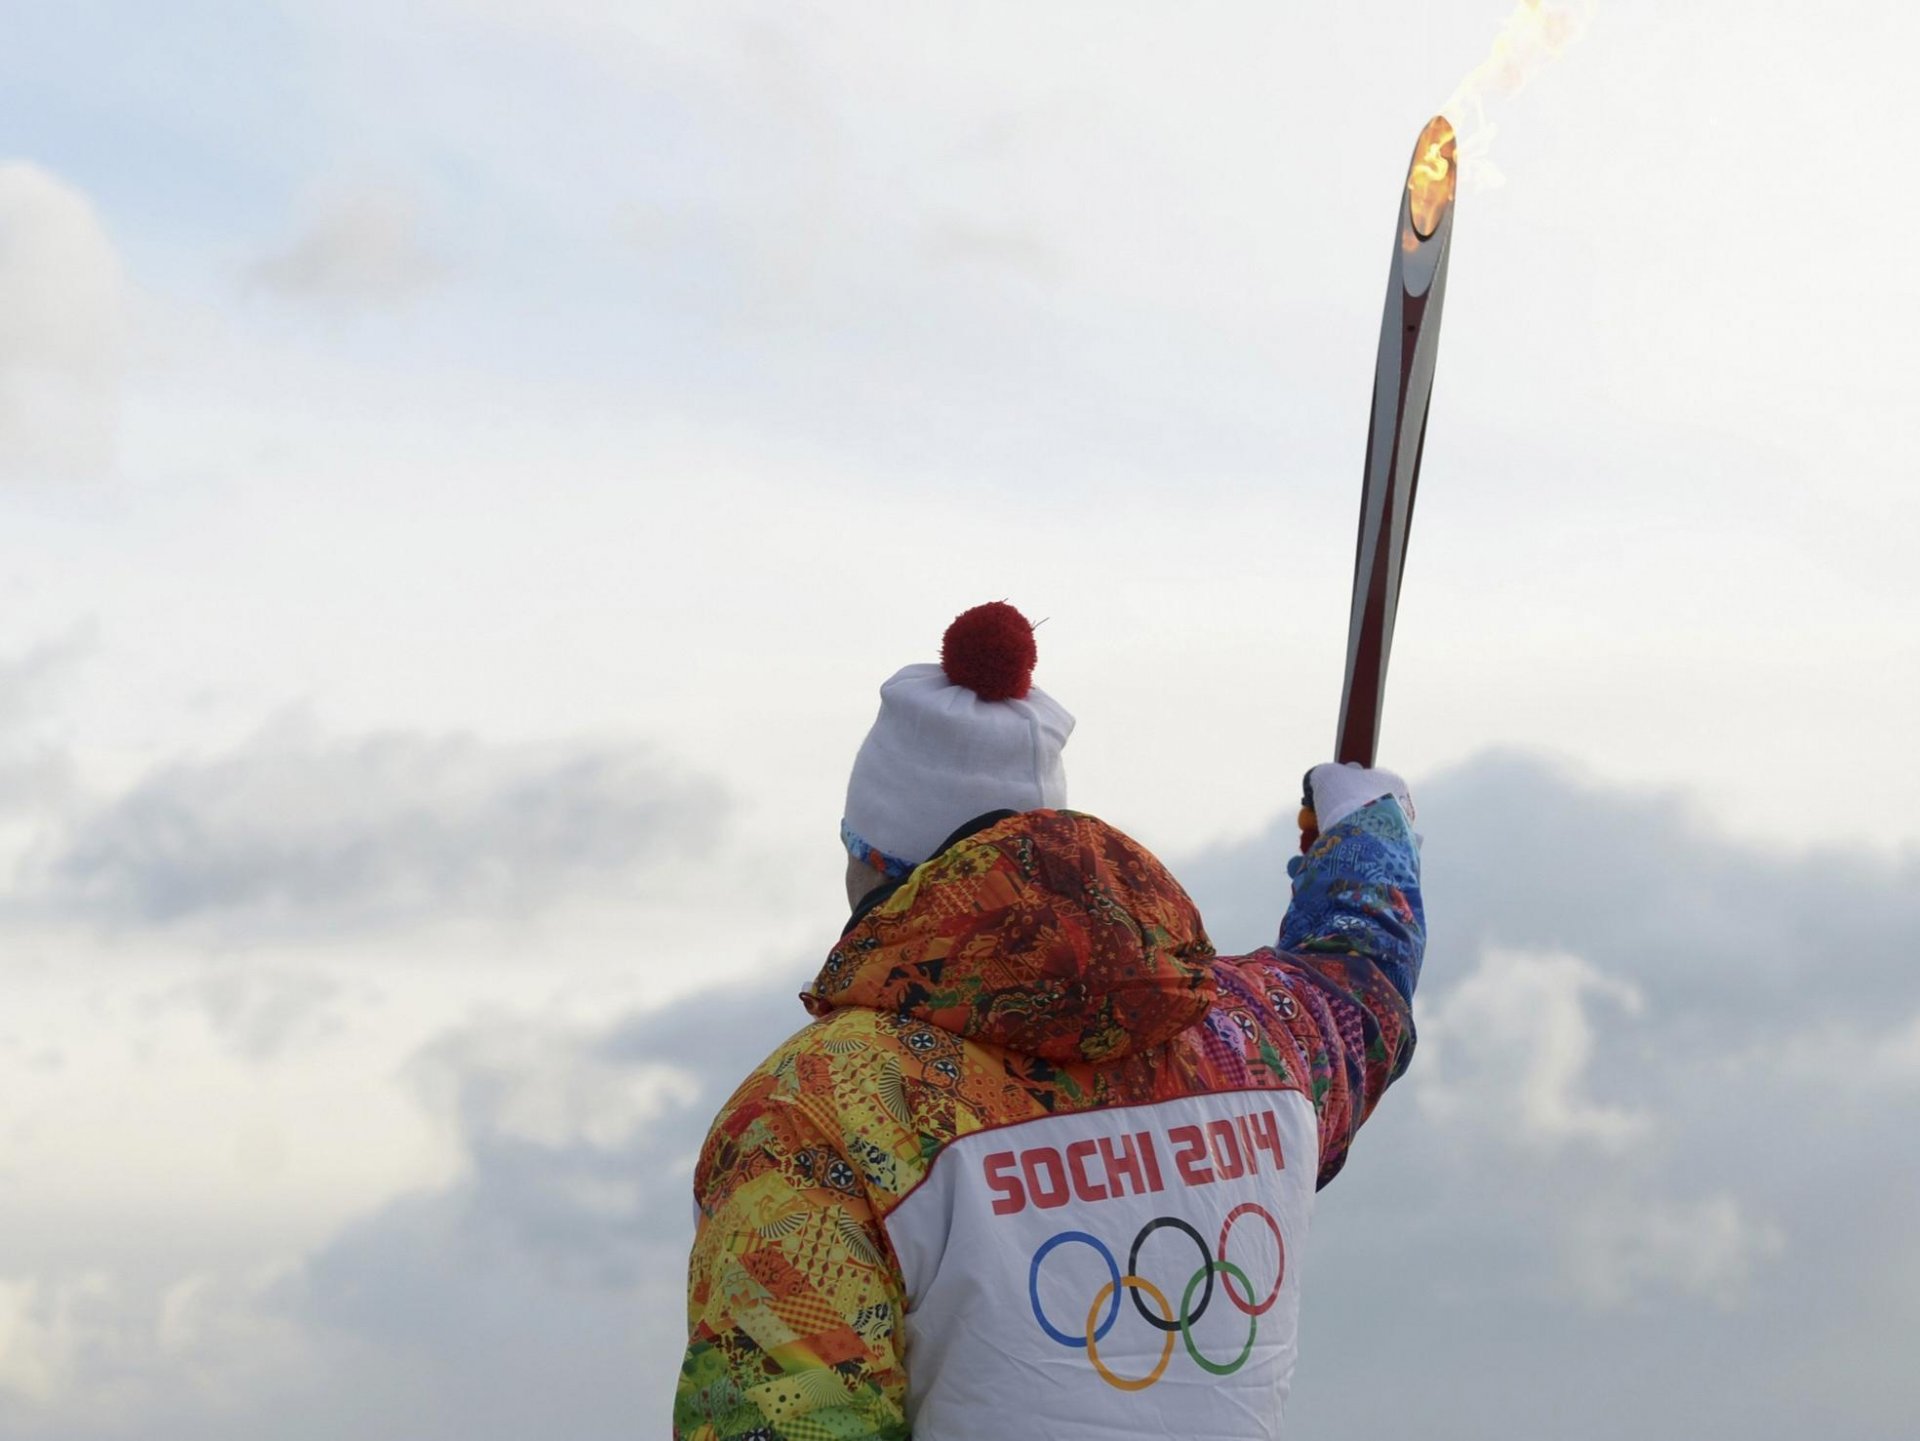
1339,791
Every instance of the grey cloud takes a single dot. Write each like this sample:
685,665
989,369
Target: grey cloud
1595,1171
1648,1197
1602,1203
262,1011
1008,249
544,1293
25,679
361,247
293,831
1532,857
36,770
90,1354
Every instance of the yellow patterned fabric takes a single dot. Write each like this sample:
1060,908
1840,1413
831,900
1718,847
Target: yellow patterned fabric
1044,966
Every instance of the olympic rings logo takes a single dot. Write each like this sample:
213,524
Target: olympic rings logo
1170,1323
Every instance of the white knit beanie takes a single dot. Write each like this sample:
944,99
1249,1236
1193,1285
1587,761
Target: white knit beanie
954,741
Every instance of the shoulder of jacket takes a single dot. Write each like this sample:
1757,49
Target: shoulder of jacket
840,1087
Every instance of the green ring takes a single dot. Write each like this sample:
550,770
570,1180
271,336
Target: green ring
1186,1326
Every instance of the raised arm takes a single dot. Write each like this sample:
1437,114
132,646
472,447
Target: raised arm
1352,942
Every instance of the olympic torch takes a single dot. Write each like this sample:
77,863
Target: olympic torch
1396,435
1402,388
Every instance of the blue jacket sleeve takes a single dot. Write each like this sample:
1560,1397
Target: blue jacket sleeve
1353,937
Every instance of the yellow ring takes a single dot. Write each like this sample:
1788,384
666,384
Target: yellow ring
1136,1283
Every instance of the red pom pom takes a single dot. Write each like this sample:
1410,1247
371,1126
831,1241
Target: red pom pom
990,651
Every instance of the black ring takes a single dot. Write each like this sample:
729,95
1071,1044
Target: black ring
1133,1269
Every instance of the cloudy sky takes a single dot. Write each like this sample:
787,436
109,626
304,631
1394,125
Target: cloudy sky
465,467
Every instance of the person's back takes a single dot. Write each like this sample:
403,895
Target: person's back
1044,1164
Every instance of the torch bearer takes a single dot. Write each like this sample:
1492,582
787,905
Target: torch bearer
1402,387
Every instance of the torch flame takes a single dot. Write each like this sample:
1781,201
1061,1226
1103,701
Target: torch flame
1536,33
1430,184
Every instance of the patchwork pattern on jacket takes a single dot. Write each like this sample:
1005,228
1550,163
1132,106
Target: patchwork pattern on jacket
1047,966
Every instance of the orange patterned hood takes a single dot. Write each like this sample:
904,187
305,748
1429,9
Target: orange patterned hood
1050,933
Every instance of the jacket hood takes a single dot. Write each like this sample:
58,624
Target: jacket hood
1049,933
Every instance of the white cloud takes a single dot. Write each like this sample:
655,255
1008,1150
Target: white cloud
36,1336
89,1352
1506,1073
507,1080
1861,1059
1508,1049
1897,1055
62,329
360,247
1623,1248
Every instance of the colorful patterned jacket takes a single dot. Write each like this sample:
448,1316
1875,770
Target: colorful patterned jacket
1043,1165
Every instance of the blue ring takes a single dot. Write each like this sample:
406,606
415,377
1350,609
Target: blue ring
1033,1287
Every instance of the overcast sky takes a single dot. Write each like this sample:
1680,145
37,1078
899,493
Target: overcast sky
467,466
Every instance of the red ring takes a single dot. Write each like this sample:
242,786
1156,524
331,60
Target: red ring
1235,1214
